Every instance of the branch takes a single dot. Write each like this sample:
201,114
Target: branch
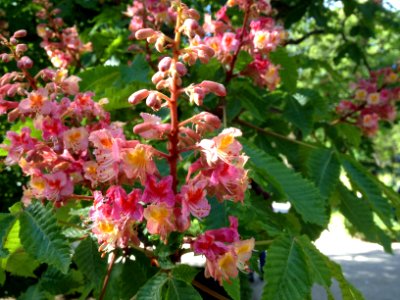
107,278
274,134
208,290
303,38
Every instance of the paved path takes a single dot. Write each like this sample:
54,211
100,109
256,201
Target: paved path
375,273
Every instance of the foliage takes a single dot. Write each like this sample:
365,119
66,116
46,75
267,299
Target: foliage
313,96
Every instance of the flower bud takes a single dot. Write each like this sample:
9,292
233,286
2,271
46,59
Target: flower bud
160,44
192,13
214,87
181,69
138,96
144,33
20,34
21,48
25,63
13,41
5,57
162,84
208,50
164,64
157,77
153,101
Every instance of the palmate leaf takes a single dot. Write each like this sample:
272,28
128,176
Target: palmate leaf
288,71
6,221
299,115
184,272
317,265
361,179
89,262
324,169
349,292
301,193
286,271
180,290
116,82
35,292
233,288
152,290
359,213
42,238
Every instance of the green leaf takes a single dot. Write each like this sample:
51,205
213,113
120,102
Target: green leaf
184,272
6,221
3,152
324,169
180,290
349,6
89,262
57,283
362,180
349,292
286,272
152,290
2,276
116,82
42,238
20,263
359,213
288,71
218,216
35,292
299,115
301,193
316,262
233,288
13,242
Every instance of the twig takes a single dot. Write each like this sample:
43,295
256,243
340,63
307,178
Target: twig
107,278
274,134
208,290
304,37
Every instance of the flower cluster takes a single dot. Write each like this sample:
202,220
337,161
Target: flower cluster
54,149
71,142
62,44
224,251
258,36
374,100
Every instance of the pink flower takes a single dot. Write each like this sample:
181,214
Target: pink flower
138,162
58,185
37,102
70,85
51,127
5,105
151,128
223,147
20,144
159,192
193,195
76,139
115,216
223,268
213,242
107,152
229,42
160,220
90,172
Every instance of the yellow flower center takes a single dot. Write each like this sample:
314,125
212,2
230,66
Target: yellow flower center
137,157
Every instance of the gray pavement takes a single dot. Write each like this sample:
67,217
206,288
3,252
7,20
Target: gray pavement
375,273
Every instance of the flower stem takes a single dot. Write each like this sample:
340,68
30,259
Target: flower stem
173,105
